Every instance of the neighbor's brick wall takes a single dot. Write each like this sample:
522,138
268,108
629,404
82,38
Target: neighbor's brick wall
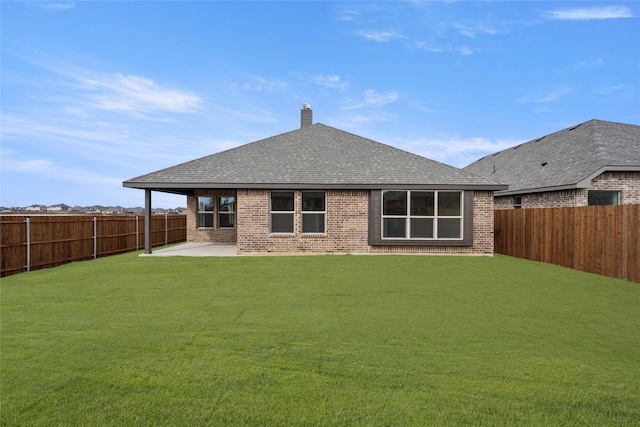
627,183
202,235
347,227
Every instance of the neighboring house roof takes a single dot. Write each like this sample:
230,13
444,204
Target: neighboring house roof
315,156
563,160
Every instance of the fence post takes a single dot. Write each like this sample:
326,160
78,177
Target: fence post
95,237
28,244
137,233
166,229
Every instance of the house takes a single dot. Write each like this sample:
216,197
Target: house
58,208
318,189
593,163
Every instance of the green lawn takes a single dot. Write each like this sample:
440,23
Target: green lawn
325,340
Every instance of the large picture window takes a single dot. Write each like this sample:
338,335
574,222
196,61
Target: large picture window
313,212
226,212
282,203
436,215
205,212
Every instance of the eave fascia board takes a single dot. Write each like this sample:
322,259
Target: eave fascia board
163,186
586,182
583,183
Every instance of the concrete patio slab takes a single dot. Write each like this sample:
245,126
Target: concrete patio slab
197,250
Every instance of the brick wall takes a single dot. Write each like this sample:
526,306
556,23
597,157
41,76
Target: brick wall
627,183
347,227
346,215
215,234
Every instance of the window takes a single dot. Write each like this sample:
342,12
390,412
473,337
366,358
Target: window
282,211
517,202
226,212
422,215
205,212
604,198
313,212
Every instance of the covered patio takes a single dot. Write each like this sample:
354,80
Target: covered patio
197,250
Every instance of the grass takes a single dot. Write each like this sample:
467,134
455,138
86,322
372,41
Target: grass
326,340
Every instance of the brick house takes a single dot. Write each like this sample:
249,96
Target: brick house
319,189
593,163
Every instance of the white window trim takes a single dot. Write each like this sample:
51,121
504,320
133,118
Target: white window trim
219,212
212,213
435,217
291,212
303,212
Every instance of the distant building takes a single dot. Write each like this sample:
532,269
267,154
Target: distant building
58,208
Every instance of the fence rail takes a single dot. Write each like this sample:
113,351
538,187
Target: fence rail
597,239
41,241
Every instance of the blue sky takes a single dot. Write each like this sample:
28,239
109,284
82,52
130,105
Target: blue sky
94,93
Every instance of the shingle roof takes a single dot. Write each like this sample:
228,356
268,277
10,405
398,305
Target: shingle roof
316,156
566,159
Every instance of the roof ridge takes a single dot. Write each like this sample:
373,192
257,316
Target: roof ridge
599,146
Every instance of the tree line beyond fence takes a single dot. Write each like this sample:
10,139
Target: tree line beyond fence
41,241
597,239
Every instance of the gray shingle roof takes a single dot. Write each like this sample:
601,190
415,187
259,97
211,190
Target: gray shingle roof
566,159
316,156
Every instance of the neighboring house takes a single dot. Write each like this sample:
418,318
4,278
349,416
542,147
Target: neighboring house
36,208
593,163
319,189
113,210
58,208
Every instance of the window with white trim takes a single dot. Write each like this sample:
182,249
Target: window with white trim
517,202
313,212
282,203
226,212
423,215
205,212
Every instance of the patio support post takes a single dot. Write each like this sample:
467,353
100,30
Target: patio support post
147,221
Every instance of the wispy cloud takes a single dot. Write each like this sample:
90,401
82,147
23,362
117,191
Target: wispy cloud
373,98
347,14
465,50
591,64
429,47
51,170
132,93
545,98
262,84
57,128
454,150
380,36
611,89
58,5
586,14
331,81
472,32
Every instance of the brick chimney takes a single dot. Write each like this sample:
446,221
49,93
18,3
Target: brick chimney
306,116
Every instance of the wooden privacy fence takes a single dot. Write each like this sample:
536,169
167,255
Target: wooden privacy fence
597,239
40,241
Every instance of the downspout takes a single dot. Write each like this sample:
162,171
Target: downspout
147,221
